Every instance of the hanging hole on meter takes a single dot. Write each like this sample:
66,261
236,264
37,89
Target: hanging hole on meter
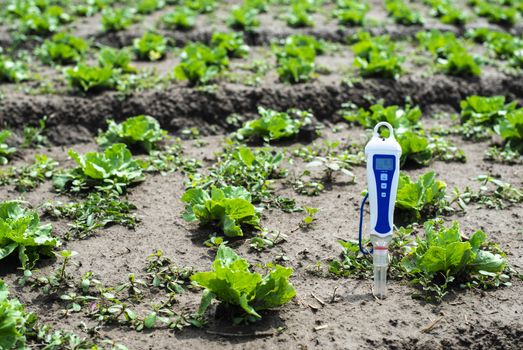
384,132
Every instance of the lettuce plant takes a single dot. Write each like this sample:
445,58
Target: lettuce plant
300,40
485,111
480,115
143,131
90,78
375,56
452,56
295,61
421,198
90,7
150,47
493,193
12,70
351,12
34,136
273,125
510,129
442,258
232,43
116,59
229,209
201,6
295,70
438,43
113,169
200,63
63,48
13,320
5,150
232,283
296,46
447,12
363,43
479,35
117,19
20,231
298,15
380,65
496,13
503,45
243,18
43,20
460,63
181,18
146,7
444,150
415,148
258,5
402,13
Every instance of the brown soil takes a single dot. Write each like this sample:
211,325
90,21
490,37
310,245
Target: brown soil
350,318
180,106
467,319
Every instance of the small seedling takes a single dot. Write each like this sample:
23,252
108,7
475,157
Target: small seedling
266,240
310,218
6,151
34,136
66,255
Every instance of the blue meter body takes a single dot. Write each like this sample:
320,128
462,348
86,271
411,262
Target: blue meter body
384,166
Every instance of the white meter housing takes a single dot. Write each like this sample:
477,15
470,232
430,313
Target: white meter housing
383,168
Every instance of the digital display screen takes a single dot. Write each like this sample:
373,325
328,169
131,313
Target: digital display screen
384,163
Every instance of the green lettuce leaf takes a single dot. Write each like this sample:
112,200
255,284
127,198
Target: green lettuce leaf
442,258
488,261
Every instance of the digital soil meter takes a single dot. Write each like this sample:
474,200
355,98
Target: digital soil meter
383,167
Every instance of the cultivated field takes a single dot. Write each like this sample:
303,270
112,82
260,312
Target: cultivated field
189,173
